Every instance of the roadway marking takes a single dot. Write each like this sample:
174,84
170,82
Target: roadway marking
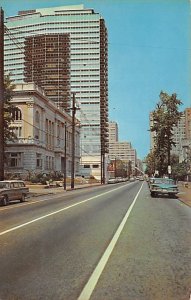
92,282
36,201
58,211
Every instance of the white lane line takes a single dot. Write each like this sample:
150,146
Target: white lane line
58,211
91,284
38,201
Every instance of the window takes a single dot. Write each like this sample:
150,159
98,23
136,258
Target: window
15,160
17,130
58,135
86,166
39,160
95,166
16,114
37,127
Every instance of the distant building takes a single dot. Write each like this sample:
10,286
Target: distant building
40,129
113,132
120,150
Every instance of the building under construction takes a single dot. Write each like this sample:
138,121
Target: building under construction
47,63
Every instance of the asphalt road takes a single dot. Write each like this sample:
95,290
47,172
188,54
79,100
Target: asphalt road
111,242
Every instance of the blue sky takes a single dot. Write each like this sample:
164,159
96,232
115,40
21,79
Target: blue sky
149,51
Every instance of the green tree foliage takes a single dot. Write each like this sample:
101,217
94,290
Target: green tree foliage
165,118
150,164
179,170
8,108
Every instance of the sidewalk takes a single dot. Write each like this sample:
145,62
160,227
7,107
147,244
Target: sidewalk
36,190
185,193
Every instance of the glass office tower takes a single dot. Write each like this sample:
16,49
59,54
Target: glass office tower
88,67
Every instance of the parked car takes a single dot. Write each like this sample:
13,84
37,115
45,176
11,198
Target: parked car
112,180
161,186
12,190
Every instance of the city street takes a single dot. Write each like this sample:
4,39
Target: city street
110,242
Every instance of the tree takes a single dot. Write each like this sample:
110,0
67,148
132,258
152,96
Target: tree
165,117
150,164
8,109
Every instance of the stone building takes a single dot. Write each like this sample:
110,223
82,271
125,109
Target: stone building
40,128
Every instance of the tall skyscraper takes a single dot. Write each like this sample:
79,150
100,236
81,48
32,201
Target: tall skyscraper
87,35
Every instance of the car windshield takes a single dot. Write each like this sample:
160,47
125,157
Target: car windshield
163,181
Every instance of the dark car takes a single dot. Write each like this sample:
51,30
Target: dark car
163,186
11,190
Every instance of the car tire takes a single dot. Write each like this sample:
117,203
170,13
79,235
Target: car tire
23,198
5,200
152,194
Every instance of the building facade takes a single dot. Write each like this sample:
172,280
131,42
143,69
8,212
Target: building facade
41,130
88,66
188,123
123,151
47,63
179,135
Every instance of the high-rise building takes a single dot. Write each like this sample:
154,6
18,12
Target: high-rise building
88,66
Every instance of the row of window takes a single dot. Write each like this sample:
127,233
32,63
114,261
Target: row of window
15,160
57,23
91,166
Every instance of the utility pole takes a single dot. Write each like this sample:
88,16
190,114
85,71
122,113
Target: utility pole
1,94
65,130
73,140
115,167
